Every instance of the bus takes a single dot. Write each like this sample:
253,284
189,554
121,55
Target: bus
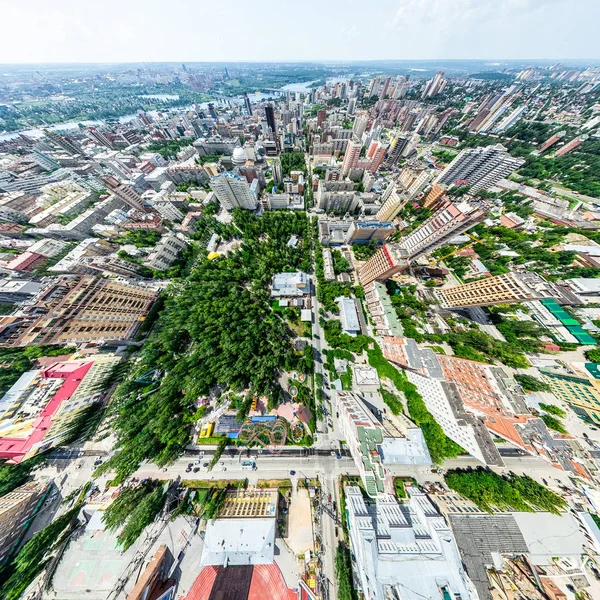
249,465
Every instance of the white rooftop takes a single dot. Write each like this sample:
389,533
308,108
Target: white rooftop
239,542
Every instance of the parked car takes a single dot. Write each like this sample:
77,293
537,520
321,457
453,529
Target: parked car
196,469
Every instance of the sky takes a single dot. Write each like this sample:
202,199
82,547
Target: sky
42,31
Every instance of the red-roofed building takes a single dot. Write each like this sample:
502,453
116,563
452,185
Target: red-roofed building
25,262
36,412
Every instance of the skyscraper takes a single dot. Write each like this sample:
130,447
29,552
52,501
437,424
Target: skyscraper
385,263
100,137
434,86
64,142
248,105
321,117
479,167
502,289
360,125
233,191
270,116
447,222
433,195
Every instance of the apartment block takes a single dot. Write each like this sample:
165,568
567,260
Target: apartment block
233,191
17,510
501,289
382,311
165,253
447,222
385,263
393,203
479,168
76,309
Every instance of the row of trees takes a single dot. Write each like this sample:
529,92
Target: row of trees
503,492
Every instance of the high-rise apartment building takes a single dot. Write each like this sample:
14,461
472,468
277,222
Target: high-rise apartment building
398,144
64,142
124,192
376,154
501,289
360,126
79,309
247,104
100,137
434,86
321,118
385,263
433,195
415,179
351,157
480,168
17,509
447,222
393,203
233,191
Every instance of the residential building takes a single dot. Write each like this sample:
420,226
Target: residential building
165,253
578,385
393,202
405,551
47,247
283,202
415,179
351,157
447,222
333,233
328,271
363,434
37,411
125,193
434,86
385,263
479,168
501,289
76,309
336,196
382,311
17,510
73,261
290,285
433,195
154,582
362,232
15,291
233,191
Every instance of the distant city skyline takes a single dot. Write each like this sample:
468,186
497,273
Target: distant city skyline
151,31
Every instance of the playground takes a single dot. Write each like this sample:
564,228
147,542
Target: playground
263,431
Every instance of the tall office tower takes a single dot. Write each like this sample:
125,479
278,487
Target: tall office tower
447,222
376,152
99,137
73,310
502,289
233,191
571,145
321,118
351,157
248,105
360,125
433,195
385,263
277,171
434,86
398,144
480,168
392,205
17,509
124,192
551,141
64,142
270,116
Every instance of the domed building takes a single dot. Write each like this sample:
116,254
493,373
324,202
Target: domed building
239,157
